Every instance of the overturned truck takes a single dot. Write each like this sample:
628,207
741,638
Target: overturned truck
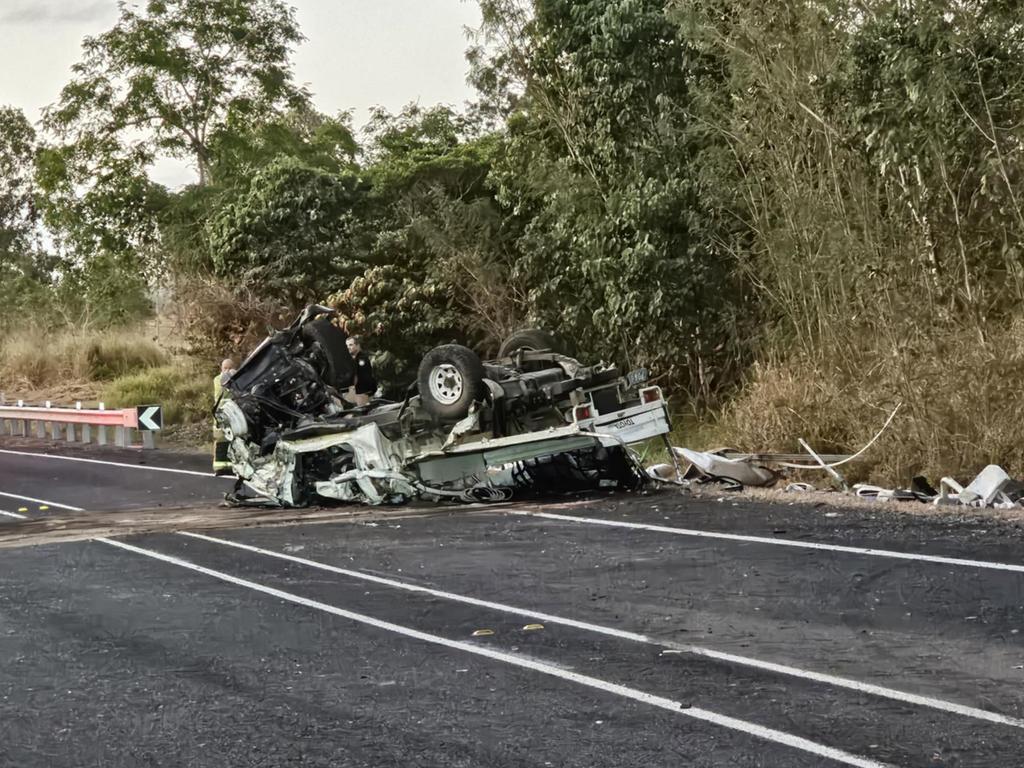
531,421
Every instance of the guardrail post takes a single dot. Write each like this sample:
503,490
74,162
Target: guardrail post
69,433
87,433
40,429
120,437
23,428
101,432
148,439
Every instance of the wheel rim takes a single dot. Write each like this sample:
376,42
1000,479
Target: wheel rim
446,384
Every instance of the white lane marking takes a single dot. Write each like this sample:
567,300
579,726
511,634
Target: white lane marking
841,682
782,669
13,514
41,501
1013,567
752,729
116,464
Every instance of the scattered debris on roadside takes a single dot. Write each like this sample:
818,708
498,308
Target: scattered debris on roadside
993,487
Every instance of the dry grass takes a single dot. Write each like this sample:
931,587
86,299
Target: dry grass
962,404
32,359
120,368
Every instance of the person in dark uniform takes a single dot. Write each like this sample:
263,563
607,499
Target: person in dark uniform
365,384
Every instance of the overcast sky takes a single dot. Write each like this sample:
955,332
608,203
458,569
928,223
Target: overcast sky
358,53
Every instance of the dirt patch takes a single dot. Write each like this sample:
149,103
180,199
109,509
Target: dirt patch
63,394
80,526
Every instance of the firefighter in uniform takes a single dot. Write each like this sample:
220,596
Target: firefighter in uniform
221,464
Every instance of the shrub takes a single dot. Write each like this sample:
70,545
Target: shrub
108,356
186,393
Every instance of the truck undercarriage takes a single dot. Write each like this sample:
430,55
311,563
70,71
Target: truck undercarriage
531,421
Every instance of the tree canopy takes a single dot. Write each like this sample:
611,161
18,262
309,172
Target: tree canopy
171,75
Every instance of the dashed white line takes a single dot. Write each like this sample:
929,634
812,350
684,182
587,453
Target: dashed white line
767,666
13,514
149,467
1012,567
696,713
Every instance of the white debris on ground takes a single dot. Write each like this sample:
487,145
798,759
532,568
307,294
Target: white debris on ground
993,488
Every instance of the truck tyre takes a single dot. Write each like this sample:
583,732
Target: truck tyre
450,379
532,339
339,368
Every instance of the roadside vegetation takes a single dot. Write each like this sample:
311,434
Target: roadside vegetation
797,215
185,391
37,359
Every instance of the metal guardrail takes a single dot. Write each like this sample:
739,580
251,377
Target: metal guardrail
78,424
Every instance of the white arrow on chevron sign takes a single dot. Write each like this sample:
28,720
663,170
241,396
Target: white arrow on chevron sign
151,418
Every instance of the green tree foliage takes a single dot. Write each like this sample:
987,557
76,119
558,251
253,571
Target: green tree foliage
102,220
293,232
439,264
238,152
17,147
603,160
177,72
317,140
189,79
24,282
876,157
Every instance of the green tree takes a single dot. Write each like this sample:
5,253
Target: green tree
292,233
239,152
438,267
17,148
24,278
170,76
603,158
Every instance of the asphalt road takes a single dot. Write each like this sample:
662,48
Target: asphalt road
646,630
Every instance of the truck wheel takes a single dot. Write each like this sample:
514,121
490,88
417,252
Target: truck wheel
450,379
339,369
530,338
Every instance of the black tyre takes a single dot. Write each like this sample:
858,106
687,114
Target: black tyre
532,339
450,379
338,368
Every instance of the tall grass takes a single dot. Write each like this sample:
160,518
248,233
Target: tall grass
877,168
121,368
34,359
962,404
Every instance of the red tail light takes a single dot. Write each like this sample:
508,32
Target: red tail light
651,395
582,413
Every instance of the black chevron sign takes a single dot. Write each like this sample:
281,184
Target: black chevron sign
151,418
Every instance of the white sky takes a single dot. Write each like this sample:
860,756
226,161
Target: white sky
358,54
